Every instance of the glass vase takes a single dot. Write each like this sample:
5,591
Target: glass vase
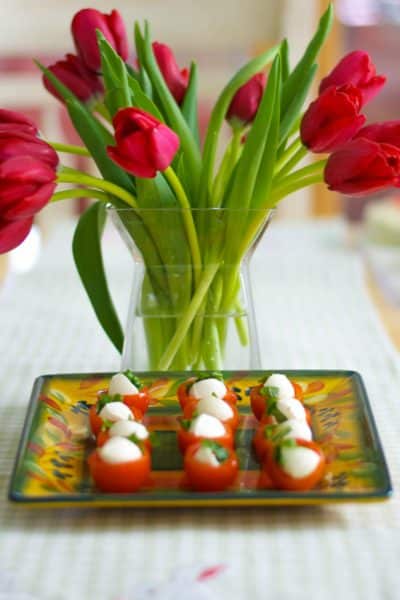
191,303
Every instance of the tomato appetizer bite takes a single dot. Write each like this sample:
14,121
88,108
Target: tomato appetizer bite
289,459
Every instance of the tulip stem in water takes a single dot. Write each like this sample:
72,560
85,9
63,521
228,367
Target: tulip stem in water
70,149
67,175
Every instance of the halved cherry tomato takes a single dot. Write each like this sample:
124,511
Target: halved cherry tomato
138,401
104,436
184,397
191,408
96,422
120,478
187,438
208,478
261,444
284,481
258,402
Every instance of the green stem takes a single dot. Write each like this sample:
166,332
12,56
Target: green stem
70,149
102,110
228,163
187,219
292,162
287,154
314,167
79,193
286,190
68,175
188,316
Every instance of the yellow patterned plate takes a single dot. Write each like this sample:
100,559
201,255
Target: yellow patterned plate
51,467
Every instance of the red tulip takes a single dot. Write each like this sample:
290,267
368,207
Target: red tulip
332,119
177,80
387,132
144,145
247,99
13,121
362,167
26,185
356,69
13,233
84,26
19,143
76,77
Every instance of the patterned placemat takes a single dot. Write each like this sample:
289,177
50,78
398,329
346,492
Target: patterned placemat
313,312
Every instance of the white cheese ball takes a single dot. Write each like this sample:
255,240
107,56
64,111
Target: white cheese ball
216,407
295,429
116,411
127,428
292,409
120,384
206,456
119,450
298,461
208,389
207,426
283,385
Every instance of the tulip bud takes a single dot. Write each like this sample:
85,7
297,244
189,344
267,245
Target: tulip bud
144,145
84,26
177,80
387,132
356,68
245,103
332,119
15,121
13,233
76,77
361,167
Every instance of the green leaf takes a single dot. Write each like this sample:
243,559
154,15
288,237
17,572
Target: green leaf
96,139
296,104
86,247
116,67
295,80
189,106
218,116
285,65
141,100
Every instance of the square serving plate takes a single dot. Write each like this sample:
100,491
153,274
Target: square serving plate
51,469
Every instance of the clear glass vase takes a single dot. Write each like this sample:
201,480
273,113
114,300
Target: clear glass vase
191,302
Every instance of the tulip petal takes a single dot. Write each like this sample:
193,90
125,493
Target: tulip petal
164,144
11,117
25,169
29,205
13,233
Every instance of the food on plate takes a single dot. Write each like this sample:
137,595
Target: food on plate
267,434
203,427
110,409
210,466
132,430
216,407
131,389
295,464
120,466
279,391
206,386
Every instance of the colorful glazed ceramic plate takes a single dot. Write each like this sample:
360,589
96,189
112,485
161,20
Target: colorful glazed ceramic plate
51,467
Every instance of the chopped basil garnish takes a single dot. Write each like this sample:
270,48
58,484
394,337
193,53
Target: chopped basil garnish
133,378
185,423
219,451
290,443
273,410
154,439
106,399
106,425
134,438
270,391
210,375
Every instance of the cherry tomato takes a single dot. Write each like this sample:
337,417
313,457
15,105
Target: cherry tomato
191,407
104,436
208,478
284,481
138,401
95,421
187,438
120,478
184,397
258,402
261,444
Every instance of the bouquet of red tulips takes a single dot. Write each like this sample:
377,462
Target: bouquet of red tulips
138,122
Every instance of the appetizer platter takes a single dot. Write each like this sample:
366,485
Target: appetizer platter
199,439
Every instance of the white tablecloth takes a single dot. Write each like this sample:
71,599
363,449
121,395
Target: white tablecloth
313,312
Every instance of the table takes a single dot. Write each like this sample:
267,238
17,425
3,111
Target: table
313,312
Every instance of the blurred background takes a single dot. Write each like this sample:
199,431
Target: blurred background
221,36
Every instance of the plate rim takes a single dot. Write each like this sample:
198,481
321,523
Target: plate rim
209,499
